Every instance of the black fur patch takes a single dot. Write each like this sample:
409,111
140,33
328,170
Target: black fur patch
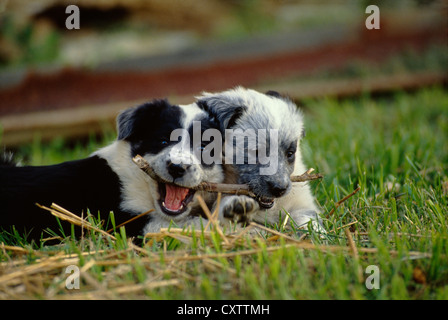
76,186
225,112
148,127
7,159
273,94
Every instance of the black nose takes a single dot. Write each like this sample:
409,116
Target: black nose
177,170
277,189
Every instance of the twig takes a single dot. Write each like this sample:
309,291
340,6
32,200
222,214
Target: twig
215,213
13,248
346,225
259,226
239,189
144,165
351,243
130,220
342,200
66,215
210,218
355,253
307,176
228,188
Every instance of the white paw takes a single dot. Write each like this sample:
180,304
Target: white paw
303,218
240,209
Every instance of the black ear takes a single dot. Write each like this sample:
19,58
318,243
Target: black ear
226,111
131,122
125,121
273,94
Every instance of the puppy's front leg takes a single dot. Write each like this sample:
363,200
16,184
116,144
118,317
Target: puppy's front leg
302,218
239,209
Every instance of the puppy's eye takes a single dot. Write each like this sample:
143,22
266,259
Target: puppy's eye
290,154
164,142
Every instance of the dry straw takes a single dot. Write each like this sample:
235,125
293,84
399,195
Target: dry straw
44,276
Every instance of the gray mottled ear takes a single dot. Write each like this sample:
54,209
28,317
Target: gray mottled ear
277,95
225,110
303,133
273,93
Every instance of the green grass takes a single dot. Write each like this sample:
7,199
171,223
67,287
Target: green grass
394,148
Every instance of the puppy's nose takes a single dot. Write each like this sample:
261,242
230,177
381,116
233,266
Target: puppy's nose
277,189
177,170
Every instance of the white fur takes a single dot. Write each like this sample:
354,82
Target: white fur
299,203
263,111
140,192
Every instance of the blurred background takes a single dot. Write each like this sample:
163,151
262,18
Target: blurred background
56,82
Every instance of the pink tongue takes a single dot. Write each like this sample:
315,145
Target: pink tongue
174,197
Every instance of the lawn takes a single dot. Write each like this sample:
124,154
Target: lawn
387,240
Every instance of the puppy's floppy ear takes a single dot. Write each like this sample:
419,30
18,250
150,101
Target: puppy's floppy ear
133,121
125,121
224,110
273,94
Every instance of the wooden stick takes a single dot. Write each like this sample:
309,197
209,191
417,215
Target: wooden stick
351,243
354,251
215,222
144,165
342,200
130,220
239,189
66,215
307,176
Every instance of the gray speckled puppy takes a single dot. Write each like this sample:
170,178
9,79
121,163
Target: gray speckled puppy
271,156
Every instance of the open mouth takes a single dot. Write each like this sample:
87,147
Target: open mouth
174,199
265,203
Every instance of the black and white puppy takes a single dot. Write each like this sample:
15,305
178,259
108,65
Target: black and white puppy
109,181
275,126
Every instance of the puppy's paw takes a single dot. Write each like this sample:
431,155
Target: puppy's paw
240,209
307,221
